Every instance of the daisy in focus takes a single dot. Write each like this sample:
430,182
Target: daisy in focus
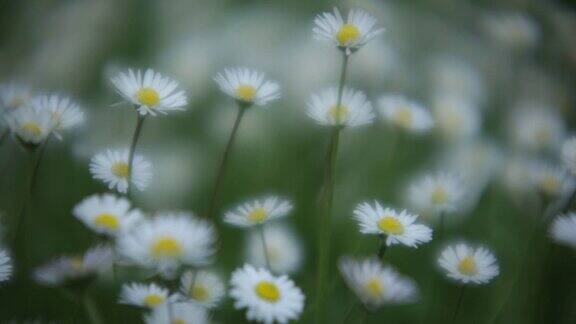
107,214
111,166
13,96
5,265
65,113
467,264
376,284
568,154
405,113
398,227
30,126
247,86
350,35
563,230
144,295
283,250
438,193
267,298
150,92
258,211
168,241
203,288
354,110
180,313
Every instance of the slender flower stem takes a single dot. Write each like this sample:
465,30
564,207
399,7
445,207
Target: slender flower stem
224,162
91,310
326,206
383,248
459,303
3,135
135,138
264,246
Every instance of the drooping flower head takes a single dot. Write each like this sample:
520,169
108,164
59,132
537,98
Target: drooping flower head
469,265
405,113
258,211
354,110
204,288
247,86
111,166
30,126
65,113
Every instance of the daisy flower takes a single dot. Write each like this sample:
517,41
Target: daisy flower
31,127
258,211
267,298
398,227
536,128
568,154
354,110
169,240
514,30
111,166
349,36
247,86
405,113
550,180
143,295
468,264
13,96
376,284
438,193
563,229
180,313
5,265
203,288
107,214
63,269
283,249
456,117
150,92
65,113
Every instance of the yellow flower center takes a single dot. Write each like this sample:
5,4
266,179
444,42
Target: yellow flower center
339,114
550,184
245,92
347,33
153,300
467,266
178,321
439,196
148,96
404,117
374,287
121,169
390,225
257,215
268,291
77,264
108,221
199,292
166,247
32,128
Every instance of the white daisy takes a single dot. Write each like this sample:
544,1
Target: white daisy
107,214
5,265
112,168
376,284
469,264
144,295
513,30
30,126
247,86
13,96
568,154
563,229
550,180
536,128
96,260
349,36
438,193
405,113
258,211
283,249
354,110
204,288
179,313
399,228
456,117
168,241
267,298
150,91
65,113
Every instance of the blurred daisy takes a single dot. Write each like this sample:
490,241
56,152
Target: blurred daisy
258,211
550,180
168,241
64,112
13,96
438,193
376,284
96,260
513,30
247,86
179,313
203,288
5,265
31,127
107,214
563,229
456,117
455,75
568,154
150,91
143,295
469,264
111,166
355,109
517,174
398,227
535,128
405,113
349,36
283,249
267,298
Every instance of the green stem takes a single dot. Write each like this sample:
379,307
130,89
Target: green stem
383,248
224,162
135,138
458,304
91,310
4,135
264,246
